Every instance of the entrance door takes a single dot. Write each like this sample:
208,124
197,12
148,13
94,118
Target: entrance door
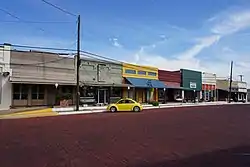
102,96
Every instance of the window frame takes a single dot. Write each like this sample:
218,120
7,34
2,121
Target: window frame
152,74
126,71
140,72
116,90
20,92
39,93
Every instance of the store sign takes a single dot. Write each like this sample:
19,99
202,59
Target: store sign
149,83
193,85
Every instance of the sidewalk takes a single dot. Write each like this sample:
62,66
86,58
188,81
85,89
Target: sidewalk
18,110
29,114
85,110
42,112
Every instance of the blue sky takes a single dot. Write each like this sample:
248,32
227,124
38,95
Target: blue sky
170,34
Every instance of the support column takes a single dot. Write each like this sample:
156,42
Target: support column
182,94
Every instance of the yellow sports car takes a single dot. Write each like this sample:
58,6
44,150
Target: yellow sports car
125,105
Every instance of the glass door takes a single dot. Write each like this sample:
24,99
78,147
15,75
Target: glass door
102,96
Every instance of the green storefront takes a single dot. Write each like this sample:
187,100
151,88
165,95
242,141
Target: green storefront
191,83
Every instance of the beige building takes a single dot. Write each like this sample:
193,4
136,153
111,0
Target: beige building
238,90
41,78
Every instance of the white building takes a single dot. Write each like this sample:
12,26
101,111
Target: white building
209,86
5,73
242,91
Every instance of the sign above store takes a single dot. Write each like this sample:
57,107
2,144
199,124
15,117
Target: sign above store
192,85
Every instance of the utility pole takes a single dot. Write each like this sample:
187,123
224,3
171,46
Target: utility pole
78,63
230,82
241,78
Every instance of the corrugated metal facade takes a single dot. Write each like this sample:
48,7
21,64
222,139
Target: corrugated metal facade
170,77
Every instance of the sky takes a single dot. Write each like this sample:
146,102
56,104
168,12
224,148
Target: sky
169,34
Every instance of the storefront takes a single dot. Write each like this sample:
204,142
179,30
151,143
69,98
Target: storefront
172,80
191,84
145,83
209,86
101,82
223,90
242,91
145,90
101,94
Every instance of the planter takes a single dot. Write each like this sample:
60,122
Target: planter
64,103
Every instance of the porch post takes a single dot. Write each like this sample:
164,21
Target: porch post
164,89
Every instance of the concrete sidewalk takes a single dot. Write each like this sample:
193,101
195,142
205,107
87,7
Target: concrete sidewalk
39,112
30,114
18,110
66,109
85,110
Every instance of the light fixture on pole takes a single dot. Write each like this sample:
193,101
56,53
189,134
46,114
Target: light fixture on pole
164,89
194,96
128,90
56,85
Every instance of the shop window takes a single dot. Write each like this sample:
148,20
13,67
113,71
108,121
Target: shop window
116,92
20,92
37,92
142,72
161,93
88,92
67,89
128,71
152,73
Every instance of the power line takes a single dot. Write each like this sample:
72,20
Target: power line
86,53
59,8
26,21
36,22
90,55
18,18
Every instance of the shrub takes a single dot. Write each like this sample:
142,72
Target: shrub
155,103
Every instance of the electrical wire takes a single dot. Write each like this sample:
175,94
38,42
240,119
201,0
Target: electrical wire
24,21
36,22
87,54
59,8
18,18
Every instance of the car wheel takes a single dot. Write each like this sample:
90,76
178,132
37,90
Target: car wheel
136,109
113,109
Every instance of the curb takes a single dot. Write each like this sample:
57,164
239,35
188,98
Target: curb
147,108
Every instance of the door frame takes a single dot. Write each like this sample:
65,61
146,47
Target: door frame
105,95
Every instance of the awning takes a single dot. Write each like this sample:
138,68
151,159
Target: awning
39,81
172,85
106,84
146,83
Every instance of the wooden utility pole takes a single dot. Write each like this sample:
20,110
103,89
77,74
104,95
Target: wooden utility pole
230,82
78,63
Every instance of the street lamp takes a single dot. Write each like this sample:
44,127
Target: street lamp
128,90
56,85
194,96
164,89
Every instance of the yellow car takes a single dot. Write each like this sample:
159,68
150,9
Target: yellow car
125,105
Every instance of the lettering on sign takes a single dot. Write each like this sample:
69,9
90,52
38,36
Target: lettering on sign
149,83
192,85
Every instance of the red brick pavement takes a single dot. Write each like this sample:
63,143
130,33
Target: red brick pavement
194,136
